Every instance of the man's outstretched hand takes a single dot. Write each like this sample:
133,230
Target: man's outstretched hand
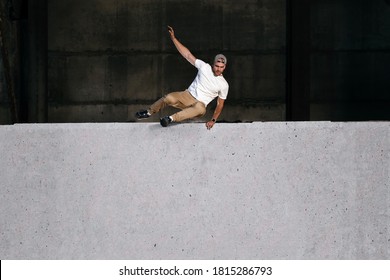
171,32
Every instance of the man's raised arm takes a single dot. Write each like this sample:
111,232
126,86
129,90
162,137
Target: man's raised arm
182,49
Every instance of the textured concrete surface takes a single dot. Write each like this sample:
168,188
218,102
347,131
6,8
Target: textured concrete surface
316,190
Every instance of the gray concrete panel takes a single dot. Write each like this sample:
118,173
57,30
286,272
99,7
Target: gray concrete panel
334,80
255,25
95,25
315,190
99,79
348,25
257,77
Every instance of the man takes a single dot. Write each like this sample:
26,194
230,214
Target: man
207,85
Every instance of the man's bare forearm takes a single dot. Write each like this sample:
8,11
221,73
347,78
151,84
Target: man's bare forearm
218,110
184,51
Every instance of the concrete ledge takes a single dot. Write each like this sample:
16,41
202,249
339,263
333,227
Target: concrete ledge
303,190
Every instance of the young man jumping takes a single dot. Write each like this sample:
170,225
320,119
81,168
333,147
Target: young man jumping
208,84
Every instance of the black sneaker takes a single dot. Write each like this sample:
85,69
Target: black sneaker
143,114
165,121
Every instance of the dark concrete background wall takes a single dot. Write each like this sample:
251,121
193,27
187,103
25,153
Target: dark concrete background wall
350,60
10,23
108,59
14,22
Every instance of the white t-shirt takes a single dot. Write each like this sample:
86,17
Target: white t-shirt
206,86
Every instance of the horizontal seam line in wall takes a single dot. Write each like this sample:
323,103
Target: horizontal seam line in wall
141,102
135,53
325,51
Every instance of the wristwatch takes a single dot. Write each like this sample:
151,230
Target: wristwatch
213,120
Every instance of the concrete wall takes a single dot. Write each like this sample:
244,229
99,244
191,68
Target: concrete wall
316,190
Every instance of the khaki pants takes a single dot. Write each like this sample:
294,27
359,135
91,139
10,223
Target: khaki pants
190,107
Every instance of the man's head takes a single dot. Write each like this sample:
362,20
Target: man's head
219,64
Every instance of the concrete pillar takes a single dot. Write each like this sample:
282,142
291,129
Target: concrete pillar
37,77
6,64
298,60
